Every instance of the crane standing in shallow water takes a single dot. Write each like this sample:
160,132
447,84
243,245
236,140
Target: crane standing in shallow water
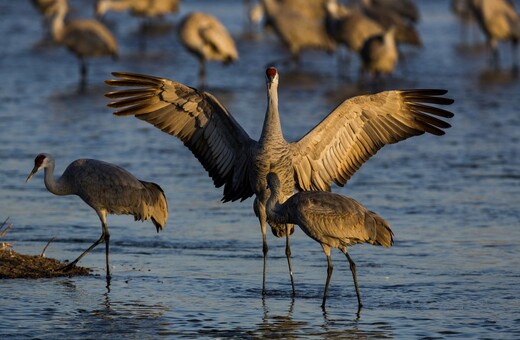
331,152
330,219
85,38
499,21
204,36
108,189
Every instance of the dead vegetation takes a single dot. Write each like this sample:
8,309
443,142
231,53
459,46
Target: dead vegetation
14,265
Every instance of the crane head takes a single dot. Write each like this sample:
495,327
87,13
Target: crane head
280,230
40,162
271,76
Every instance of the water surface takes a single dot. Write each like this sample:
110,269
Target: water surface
452,201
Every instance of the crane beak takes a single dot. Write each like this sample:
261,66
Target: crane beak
34,170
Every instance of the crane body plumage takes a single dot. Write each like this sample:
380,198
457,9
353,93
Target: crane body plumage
499,21
330,152
349,26
85,38
401,15
206,38
299,24
108,189
333,220
139,8
379,53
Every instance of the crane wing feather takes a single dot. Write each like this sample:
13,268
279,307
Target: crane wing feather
355,130
198,119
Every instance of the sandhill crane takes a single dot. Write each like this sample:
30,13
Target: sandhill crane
463,10
86,38
349,25
379,53
104,6
405,32
499,21
331,152
332,220
147,10
206,38
299,24
139,8
406,9
108,189
47,9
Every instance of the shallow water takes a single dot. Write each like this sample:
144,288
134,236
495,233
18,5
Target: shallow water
452,201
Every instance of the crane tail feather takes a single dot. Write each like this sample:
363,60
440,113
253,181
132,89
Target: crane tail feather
155,205
382,235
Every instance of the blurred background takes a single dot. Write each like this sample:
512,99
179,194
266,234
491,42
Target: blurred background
452,201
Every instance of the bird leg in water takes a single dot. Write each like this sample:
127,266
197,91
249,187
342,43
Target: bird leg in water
262,217
82,84
105,237
107,248
288,254
202,74
354,275
330,268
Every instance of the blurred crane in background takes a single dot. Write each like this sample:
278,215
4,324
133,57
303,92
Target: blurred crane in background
499,21
207,39
85,38
299,25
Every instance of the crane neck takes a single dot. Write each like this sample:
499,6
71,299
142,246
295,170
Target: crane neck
273,205
270,7
58,22
57,187
272,129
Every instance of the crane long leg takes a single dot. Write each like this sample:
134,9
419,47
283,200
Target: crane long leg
288,254
73,263
514,57
202,73
354,275
262,217
107,248
330,268
83,73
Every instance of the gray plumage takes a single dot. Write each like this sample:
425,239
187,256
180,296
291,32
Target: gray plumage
299,24
331,152
379,53
387,17
206,38
330,219
47,8
85,38
406,9
140,8
350,26
108,189
499,21
463,10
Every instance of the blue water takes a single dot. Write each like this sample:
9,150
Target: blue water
454,270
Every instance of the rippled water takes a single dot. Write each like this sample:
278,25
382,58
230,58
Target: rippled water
454,270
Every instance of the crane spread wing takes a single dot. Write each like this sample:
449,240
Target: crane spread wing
355,130
198,119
